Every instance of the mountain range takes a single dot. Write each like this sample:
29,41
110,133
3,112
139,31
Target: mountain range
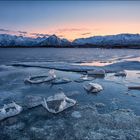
119,40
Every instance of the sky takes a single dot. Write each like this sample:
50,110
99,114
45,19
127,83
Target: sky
69,19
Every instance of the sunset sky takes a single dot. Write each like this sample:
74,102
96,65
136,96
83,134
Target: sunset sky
70,19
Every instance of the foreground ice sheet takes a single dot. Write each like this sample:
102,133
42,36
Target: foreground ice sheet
9,110
58,103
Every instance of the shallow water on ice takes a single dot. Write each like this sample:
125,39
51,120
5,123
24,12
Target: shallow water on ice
13,88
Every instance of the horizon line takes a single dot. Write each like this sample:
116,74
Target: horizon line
71,40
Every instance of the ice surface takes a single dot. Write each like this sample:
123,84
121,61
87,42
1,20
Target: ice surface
114,114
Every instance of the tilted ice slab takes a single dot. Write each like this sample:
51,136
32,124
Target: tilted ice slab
58,103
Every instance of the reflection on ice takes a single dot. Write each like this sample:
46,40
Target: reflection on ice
132,78
97,63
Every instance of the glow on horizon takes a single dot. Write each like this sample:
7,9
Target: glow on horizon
71,19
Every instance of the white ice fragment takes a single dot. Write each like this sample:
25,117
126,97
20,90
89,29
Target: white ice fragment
10,110
58,103
93,87
52,73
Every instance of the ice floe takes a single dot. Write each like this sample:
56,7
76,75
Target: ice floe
10,110
41,79
93,87
58,103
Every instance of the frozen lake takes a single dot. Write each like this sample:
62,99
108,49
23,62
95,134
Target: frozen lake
111,114
10,55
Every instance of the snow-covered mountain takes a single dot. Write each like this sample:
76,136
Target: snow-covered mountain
13,40
110,40
53,40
